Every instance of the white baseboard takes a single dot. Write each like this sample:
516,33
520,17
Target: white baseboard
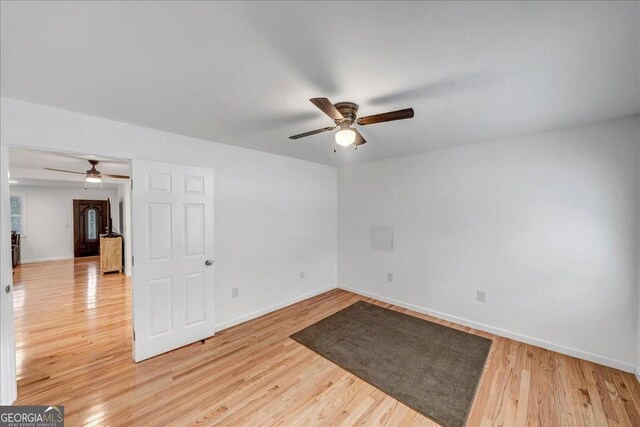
602,360
31,261
637,372
267,310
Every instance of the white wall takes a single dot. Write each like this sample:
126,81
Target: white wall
546,224
274,216
49,213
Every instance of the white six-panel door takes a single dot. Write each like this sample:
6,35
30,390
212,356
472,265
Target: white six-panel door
173,280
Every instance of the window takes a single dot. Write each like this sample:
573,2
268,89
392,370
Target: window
91,224
19,215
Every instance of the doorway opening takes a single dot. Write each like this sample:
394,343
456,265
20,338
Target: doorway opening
68,313
66,309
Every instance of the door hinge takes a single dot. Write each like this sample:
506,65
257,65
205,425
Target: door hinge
132,260
131,181
134,335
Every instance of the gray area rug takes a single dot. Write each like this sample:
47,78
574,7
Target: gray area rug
429,367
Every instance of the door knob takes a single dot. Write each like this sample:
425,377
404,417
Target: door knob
208,262
7,289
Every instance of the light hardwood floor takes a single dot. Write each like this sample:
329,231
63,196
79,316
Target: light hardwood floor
74,348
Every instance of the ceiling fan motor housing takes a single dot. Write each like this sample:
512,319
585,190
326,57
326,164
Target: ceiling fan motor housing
349,111
93,171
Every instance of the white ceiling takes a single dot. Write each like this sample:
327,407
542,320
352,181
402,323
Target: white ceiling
27,167
242,73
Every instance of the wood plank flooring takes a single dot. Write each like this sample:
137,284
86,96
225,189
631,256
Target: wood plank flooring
73,335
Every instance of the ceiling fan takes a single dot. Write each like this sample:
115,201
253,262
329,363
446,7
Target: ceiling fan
344,115
92,175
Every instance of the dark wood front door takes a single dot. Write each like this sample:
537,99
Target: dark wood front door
89,221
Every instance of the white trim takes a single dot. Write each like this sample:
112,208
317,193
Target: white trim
31,261
637,372
8,384
57,146
569,351
267,310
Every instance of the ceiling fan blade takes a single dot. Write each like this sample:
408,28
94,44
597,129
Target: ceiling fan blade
110,175
327,107
313,132
62,170
359,139
407,113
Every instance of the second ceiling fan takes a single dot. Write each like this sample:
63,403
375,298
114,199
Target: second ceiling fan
92,175
344,115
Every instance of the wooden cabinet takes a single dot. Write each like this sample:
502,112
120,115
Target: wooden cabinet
110,254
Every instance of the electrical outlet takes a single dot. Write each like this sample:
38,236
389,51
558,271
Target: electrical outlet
302,274
481,295
235,292
389,277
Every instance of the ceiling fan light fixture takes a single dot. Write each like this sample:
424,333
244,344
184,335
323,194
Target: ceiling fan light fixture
345,137
93,179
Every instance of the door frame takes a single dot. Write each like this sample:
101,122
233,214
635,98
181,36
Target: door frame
8,377
8,382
